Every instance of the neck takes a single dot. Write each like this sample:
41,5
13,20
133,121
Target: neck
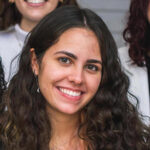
27,25
64,131
61,123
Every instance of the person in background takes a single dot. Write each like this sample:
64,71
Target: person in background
135,56
2,89
2,81
70,92
17,18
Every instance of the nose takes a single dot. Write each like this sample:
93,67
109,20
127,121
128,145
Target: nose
76,76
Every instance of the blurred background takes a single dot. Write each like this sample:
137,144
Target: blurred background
113,12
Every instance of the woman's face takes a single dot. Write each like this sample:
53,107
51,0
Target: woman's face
34,10
70,71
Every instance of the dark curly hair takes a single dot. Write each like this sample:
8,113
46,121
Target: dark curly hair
9,14
2,81
2,89
110,121
137,32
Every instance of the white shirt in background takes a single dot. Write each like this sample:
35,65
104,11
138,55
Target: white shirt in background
138,81
11,43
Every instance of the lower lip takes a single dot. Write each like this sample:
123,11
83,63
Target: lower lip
75,99
36,4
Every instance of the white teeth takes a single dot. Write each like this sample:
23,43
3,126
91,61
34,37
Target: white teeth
69,92
35,1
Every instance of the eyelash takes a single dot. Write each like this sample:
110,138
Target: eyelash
88,66
66,60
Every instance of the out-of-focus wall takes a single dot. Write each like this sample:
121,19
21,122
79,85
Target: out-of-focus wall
113,12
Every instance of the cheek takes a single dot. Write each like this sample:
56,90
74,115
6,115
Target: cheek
19,7
47,79
50,74
94,84
53,5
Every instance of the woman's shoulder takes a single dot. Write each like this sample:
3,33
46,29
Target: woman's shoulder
125,59
123,53
7,33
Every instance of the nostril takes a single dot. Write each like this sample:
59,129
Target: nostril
75,79
76,76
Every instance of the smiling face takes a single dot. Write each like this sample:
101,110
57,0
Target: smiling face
70,71
34,10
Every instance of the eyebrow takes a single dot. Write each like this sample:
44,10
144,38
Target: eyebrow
67,53
94,61
75,57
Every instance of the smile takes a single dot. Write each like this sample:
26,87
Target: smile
70,92
35,1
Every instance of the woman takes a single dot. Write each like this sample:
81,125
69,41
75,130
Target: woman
17,18
69,91
2,88
2,82
136,56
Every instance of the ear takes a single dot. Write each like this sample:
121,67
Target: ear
34,62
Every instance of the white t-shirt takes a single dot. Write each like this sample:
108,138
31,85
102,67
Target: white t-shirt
11,43
138,81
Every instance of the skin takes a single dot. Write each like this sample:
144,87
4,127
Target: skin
148,12
73,63
32,14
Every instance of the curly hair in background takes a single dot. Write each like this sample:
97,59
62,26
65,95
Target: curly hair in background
2,82
2,89
137,32
9,14
110,121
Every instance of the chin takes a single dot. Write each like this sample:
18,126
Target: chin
36,18
69,111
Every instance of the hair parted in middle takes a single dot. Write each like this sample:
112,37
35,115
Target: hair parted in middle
109,120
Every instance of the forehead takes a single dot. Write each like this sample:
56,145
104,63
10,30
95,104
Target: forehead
79,33
79,40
